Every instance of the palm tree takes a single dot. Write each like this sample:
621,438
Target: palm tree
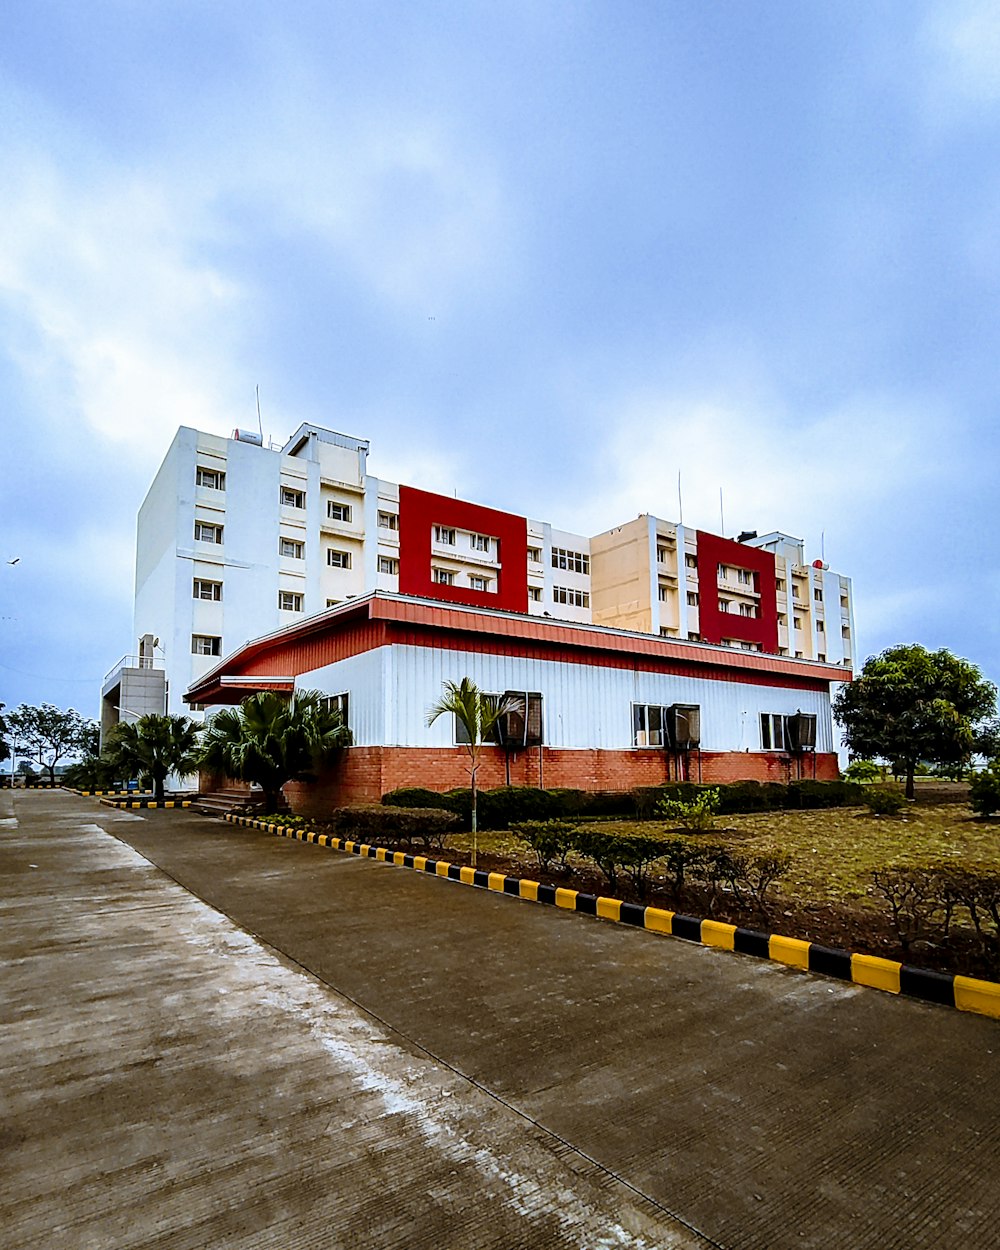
152,747
269,740
478,715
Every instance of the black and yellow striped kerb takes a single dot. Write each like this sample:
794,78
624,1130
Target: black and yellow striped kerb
109,794
963,993
145,804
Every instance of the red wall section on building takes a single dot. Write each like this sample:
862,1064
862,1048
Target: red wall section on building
716,625
419,511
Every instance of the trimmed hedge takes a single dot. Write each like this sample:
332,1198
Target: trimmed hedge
424,826
507,805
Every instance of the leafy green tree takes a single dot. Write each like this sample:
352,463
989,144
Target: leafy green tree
910,704
478,715
48,734
270,739
152,747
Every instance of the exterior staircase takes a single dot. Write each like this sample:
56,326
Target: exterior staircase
225,800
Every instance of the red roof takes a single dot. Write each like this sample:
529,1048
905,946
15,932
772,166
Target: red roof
379,619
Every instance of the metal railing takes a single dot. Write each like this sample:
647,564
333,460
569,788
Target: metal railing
133,661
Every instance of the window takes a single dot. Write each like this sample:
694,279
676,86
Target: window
647,725
292,498
693,598
444,577
387,565
724,605
845,606
575,598
332,603
338,559
820,627
796,622
291,547
723,572
338,511
206,644
572,561
337,703
780,584
479,583
693,637
748,609
661,555
744,577
535,594
289,601
818,594
444,536
207,532
821,656
479,542
773,735
534,555
214,479
782,618
207,590
690,561
388,521
845,631
662,592
795,592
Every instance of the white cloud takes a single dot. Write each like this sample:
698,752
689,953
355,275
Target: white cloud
800,473
964,37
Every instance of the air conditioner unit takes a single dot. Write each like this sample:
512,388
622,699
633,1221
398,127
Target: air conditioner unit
683,726
521,726
801,732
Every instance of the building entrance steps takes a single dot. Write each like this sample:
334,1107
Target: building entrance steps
765,1108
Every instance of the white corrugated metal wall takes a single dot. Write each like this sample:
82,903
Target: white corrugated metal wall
584,706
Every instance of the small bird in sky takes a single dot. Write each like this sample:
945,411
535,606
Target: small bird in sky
16,560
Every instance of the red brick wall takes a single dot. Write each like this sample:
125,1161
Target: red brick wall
364,774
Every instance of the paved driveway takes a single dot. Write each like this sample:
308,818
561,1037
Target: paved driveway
656,1087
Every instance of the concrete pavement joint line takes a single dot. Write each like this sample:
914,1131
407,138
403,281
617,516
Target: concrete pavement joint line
946,989
417,1045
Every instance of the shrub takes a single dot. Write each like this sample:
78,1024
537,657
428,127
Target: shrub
752,876
549,839
919,901
410,826
984,790
884,800
979,893
808,794
414,796
697,814
862,771
637,856
500,808
605,849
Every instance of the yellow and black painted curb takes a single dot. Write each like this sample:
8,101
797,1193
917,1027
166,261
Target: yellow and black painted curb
147,804
947,989
110,794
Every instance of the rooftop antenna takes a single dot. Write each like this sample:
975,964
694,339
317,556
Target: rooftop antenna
822,545
260,425
722,515
680,500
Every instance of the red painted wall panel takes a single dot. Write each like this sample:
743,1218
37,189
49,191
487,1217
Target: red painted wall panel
716,624
419,511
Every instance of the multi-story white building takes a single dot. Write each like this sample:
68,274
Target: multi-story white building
236,540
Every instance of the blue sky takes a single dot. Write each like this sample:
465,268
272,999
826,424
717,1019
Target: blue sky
547,255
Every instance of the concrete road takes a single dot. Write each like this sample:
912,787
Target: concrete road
411,1062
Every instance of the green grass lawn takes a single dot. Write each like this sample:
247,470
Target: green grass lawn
833,851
